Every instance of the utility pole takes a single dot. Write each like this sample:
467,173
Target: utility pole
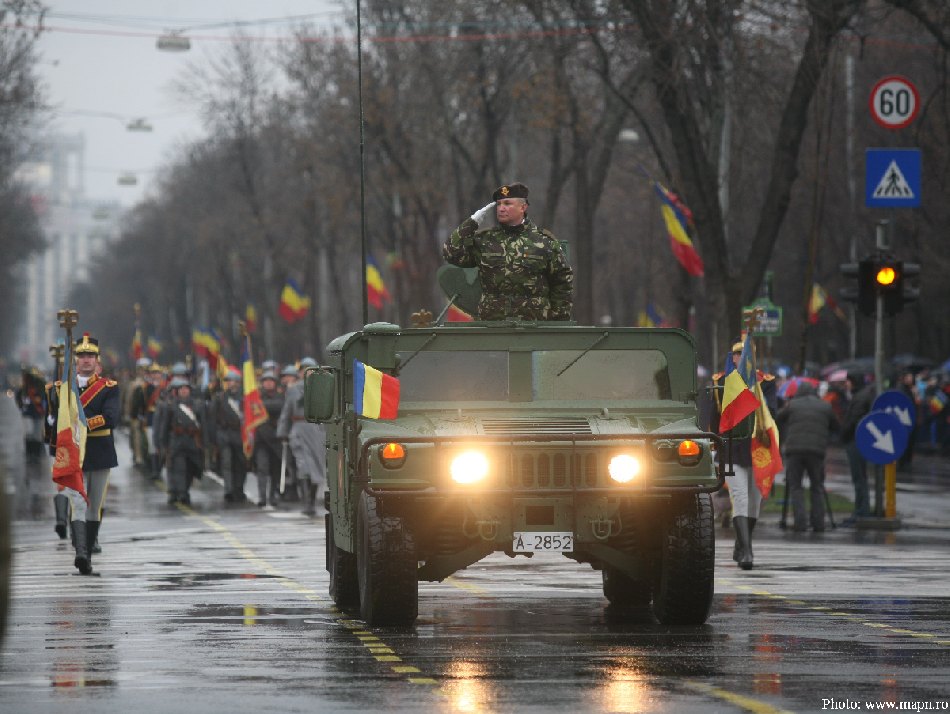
852,198
882,247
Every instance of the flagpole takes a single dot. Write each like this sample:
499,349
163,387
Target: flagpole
68,319
359,65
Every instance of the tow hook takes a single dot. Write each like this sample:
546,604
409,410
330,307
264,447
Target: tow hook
487,529
603,527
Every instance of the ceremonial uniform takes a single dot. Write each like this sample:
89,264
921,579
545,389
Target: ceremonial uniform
267,448
101,403
182,432
307,441
145,395
523,269
31,401
743,490
224,424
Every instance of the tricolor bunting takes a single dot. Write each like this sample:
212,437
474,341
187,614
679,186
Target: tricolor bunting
376,290
738,399
254,412
71,429
678,219
293,303
375,395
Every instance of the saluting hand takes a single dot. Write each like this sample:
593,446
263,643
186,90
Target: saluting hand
482,214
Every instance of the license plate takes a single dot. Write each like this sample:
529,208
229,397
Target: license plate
542,542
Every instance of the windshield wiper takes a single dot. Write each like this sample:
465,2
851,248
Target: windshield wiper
596,342
422,347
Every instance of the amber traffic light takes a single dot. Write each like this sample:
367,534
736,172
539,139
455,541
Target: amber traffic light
886,276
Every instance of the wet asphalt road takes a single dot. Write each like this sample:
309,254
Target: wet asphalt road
207,609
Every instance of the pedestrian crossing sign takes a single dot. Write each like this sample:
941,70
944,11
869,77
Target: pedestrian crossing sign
892,178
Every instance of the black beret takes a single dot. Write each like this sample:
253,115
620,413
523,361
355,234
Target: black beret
514,190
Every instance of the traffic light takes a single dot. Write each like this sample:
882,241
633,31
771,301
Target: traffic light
881,275
864,294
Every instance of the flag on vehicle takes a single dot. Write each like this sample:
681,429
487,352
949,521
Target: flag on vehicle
678,220
376,290
71,429
250,317
293,303
254,412
154,346
375,395
738,399
456,315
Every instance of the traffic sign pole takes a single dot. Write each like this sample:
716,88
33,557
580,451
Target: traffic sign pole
890,490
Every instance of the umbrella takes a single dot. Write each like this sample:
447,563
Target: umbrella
839,375
790,388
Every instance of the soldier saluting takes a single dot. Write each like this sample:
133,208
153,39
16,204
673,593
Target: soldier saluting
523,269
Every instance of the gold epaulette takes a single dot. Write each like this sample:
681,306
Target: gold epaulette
111,383
766,377
717,377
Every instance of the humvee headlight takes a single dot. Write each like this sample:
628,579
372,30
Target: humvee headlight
469,467
623,468
689,452
392,456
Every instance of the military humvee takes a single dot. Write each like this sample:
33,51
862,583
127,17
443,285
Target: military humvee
520,438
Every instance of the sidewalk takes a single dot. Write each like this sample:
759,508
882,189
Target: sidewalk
923,493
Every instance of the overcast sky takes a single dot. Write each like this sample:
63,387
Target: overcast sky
102,66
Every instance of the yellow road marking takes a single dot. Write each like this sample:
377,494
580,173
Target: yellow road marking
405,670
751,705
422,680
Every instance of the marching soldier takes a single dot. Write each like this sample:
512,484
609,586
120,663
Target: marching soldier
307,441
100,401
523,269
182,431
267,447
225,422
135,411
145,394
743,490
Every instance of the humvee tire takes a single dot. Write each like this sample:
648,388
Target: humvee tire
387,568
623,591
684,588
344,584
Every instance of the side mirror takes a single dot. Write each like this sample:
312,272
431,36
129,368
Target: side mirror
319,389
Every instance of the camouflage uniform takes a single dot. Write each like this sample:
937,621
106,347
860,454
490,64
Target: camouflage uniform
523,270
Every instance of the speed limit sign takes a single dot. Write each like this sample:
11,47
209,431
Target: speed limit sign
894,102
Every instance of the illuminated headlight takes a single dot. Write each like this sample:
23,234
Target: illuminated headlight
623,468
469,467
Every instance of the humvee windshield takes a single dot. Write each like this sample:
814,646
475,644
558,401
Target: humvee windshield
482,376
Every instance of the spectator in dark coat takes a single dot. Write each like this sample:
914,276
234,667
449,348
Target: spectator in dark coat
862,397
807,423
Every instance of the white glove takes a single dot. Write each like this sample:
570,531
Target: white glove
482,214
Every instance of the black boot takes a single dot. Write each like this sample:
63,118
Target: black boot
743,551
92,539
61,504
309,498
82,562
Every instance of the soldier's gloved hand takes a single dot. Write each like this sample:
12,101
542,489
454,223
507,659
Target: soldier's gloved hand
482,214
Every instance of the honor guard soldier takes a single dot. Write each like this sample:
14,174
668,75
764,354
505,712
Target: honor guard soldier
224,423
100,401
182,431
267,447
307,441
743,490
523,269
135,411
145,394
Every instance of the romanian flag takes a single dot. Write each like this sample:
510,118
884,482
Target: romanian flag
206,344
137,341
652,317
738,399
375,395
376,290
71,434
250,317
766,457
456,315
937,402
293,303
154,346
819,298
254,412
678,218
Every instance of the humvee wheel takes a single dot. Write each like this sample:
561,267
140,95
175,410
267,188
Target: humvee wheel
387,567
344,585
625,592
684,589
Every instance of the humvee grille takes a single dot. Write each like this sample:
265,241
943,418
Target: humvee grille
542,471
527,427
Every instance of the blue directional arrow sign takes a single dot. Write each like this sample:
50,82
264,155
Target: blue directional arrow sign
881,438
892,178
897,404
